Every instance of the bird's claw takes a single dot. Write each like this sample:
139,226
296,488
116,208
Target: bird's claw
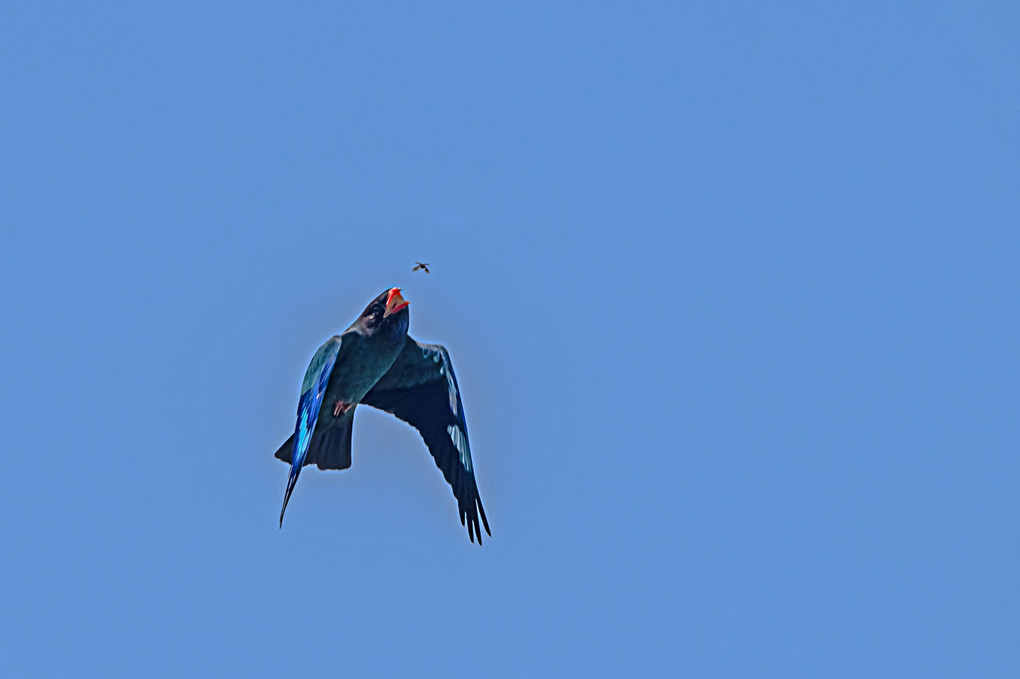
340,408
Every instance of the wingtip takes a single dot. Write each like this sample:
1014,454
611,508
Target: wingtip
485,521
286,496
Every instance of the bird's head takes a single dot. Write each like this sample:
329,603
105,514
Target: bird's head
387,312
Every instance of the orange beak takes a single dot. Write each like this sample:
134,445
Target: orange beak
394,302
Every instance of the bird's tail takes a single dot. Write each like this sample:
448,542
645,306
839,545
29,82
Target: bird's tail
330,447
291,482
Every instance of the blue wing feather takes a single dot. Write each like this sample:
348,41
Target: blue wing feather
421,389
312,390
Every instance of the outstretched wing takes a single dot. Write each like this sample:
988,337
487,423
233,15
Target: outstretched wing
421,390
312,389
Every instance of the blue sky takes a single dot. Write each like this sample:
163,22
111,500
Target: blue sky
731,290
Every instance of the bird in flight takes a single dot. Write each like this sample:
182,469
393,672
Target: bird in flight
421,266
375,362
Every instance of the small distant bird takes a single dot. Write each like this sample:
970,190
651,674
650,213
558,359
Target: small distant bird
421,266
374,362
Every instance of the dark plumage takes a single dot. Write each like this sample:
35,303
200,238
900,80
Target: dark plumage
421,266
375,363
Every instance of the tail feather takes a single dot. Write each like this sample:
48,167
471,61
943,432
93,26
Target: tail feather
286,450
331,447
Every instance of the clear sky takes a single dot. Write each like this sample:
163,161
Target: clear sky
732,291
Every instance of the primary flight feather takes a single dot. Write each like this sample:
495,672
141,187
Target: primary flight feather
374,362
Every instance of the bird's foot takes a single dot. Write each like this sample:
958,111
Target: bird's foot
340,408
